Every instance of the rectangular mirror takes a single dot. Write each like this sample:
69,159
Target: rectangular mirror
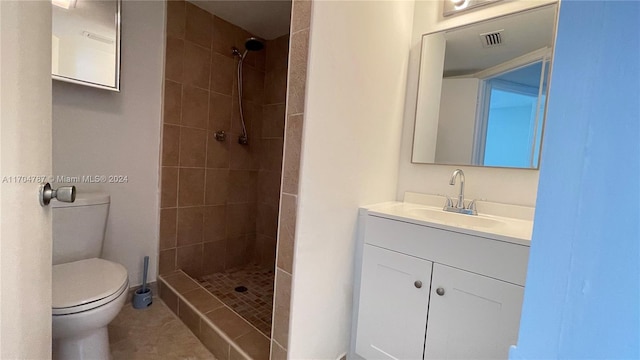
86,42
482,91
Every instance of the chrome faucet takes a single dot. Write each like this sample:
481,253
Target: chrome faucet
459,207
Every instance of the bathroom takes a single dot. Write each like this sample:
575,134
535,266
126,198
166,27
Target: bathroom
356,103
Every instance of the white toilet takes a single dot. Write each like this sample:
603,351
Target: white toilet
88,292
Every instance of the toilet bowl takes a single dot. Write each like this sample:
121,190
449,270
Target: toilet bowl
88,292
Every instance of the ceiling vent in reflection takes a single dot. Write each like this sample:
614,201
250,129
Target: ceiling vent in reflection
492,38
96,37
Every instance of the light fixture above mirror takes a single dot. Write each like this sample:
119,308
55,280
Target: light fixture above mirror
451,7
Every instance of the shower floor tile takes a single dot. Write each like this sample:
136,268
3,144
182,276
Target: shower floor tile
255,304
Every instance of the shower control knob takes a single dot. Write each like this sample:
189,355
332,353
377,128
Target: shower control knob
63,193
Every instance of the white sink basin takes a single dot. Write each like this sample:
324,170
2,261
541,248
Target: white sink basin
455,219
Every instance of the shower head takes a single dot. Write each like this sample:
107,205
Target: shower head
253,44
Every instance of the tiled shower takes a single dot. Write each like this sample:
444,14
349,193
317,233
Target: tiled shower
219,199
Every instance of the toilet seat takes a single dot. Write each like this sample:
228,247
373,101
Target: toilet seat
86,284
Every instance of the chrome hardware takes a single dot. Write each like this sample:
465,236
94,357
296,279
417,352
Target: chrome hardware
417,284
459,207
243,140
440,291
220,135
63,193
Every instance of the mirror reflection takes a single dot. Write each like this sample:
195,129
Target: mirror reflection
483,91
85,42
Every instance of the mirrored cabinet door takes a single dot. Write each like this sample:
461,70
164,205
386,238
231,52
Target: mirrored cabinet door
483,91
86,42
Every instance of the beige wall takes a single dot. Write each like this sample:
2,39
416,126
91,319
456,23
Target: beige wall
219,200
501,185
98,132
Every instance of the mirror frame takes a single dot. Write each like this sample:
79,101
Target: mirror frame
546,105
115,88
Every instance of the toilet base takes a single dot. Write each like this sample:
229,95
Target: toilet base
91,345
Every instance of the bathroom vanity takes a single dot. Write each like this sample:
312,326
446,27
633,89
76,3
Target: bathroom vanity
439,285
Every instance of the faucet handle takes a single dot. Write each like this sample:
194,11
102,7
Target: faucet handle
448,202
472,205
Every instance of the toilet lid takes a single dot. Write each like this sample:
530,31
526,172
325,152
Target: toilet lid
86,284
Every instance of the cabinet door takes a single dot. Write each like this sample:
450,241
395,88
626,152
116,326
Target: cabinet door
471,316
392,314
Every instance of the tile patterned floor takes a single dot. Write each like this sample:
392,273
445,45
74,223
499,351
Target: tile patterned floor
154,333
256,304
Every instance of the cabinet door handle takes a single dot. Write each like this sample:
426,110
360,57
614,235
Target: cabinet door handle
418,284
440,291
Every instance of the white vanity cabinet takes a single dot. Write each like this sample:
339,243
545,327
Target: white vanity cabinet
428,293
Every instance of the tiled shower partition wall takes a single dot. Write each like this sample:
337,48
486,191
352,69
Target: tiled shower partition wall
219,200
297,78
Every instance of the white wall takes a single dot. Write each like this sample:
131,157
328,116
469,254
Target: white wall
98,132
25,145
458,111
501,185
353,118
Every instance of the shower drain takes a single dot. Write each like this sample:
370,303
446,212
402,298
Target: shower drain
241,289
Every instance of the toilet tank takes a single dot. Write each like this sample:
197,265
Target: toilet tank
79,227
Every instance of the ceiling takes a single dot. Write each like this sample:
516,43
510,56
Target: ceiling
267,19
523,33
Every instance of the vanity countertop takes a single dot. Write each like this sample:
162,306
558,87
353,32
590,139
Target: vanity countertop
502,222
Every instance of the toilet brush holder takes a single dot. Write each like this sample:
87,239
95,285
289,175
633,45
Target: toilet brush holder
143,297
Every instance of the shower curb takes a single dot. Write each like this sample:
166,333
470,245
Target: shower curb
215,339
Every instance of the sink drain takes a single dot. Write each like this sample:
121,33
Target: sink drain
241,289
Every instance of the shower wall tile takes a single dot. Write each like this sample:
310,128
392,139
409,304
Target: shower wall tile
277,53
196,65
170,145
190,225
169,184
293,146
175,18
219,112
240,219
217,152
273,121
242,157
217,183
298,71
253,84
265,252
189,259
174,59
239,250
172,102
191,187
199,25
167,261
195,107
271,154
223,74
269,187
300,15
242,186
282,301
213,257
277,352
267,220
286,232
215,223
224,37
193,146
168,228
275,86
